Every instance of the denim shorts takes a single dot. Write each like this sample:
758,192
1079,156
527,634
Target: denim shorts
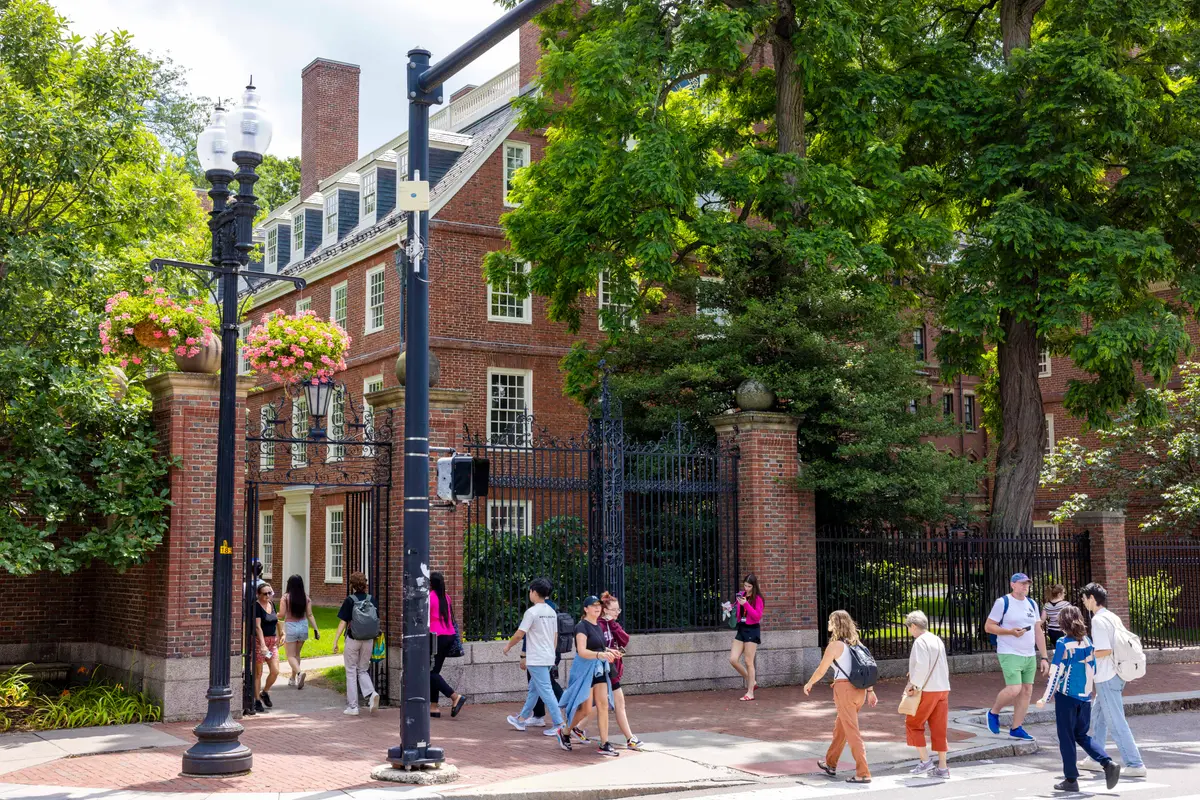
296,631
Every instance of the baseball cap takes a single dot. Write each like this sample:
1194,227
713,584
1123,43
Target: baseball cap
590,600
1019,577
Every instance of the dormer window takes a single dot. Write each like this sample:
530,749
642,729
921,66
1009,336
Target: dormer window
298,236
516,156
368,193
331,215
272,261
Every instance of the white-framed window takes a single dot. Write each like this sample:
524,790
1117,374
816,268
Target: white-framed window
303,304
1048,440
300,430
718,314
266,427
375,287
1044,527
607,298
510,516
371,384
510,406
243,362
516,156
1044,362
919,343
272,260
970,417
298,236
331,215
368,188
505,306
335,540
266,540
337,424
337,304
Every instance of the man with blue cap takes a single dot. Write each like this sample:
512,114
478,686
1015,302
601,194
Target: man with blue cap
1016,627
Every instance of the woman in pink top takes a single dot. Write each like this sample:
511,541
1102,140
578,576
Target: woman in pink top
749,633
441,625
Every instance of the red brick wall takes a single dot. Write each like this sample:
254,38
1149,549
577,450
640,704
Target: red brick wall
45,608
328,121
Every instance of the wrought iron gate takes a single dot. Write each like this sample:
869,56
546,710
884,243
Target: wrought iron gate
655,524
355,456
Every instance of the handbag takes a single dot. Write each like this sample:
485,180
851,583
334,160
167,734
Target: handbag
456,646
732,619
909,703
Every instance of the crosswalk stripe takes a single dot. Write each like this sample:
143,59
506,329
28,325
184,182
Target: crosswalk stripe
887,783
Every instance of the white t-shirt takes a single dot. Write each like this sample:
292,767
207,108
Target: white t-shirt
1020,614
540,624
1104,629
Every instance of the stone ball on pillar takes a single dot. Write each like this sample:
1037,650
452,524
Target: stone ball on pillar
753,395
435,369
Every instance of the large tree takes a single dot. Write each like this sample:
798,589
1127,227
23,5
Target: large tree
1066,138
758,142
87,197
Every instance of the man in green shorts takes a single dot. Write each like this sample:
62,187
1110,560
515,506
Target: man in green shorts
1015,621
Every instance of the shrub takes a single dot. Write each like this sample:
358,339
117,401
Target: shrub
874,592
1152,599
98,702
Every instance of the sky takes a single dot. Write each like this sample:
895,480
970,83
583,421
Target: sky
274,39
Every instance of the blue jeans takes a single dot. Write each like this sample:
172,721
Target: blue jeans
1071,716
1110,710
539,687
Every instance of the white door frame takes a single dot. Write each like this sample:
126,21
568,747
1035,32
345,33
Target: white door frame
297,501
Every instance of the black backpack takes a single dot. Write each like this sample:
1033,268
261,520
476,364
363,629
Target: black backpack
566,634
864,672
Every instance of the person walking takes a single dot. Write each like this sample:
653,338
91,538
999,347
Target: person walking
538,720
749,612
266,626
1054,601
1071,682
590,682
539,629
928,679
616,639
441,625
296,609
357,656
1110,707
847,699
1015,622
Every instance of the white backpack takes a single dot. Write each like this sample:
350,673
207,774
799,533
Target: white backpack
1128,656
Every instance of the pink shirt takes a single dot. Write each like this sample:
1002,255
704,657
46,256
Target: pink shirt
436,625
751,613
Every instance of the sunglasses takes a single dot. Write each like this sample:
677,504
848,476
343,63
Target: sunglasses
265,594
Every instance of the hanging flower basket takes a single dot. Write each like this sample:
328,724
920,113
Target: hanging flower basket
136,325
296,349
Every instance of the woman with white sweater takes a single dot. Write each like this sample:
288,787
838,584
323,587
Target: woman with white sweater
928,676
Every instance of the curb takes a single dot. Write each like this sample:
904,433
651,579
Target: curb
596,793
1136,708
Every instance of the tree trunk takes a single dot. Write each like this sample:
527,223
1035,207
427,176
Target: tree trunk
1016,23
789,83
1019,457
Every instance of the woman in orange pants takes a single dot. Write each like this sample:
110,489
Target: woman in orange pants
843,634
929,675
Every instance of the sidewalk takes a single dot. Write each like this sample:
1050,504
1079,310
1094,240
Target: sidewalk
694,740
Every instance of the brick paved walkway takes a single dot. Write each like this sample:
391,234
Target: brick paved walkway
322,750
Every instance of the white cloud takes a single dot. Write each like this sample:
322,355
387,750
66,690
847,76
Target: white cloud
223,42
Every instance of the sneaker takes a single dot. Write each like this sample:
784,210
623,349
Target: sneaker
1112,773
351,712
634,744
993,722
1020,733
292,681
516,722
535,722
258,707
551,732
607,749
1133,772
941,773
580,734
564,737
249,712
300,680
922,767
1067,786
266,698
1091,765
373,703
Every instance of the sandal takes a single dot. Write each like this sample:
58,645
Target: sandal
746,697
857,779
462,701
435,714
828,770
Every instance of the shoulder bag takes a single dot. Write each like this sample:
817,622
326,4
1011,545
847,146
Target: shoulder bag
909,703
456,646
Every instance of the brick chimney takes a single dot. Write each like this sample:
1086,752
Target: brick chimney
463,92
529,52
328,120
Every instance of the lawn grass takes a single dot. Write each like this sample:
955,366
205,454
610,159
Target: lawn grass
327,622
329,678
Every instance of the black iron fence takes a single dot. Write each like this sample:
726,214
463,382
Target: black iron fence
1164,590
954,576
655,524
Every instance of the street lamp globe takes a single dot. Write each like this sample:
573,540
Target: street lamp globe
249,126
318,393
212,146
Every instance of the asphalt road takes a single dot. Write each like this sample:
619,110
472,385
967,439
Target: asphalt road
1170,746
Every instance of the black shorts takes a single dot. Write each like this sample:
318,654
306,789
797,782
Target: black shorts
598,679
748,633
1053,634
616,685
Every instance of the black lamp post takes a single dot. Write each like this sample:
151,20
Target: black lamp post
222,147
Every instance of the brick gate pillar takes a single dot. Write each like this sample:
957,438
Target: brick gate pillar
1109,568
175,661
776,531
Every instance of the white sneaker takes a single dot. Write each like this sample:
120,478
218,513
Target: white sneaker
1090,765
516,722
550,732
292,681
535,722
351,712
373,703
300,680
1133,772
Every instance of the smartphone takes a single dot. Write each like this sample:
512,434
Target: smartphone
1027,628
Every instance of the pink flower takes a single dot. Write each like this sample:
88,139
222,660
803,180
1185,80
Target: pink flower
308,365
181,350
124,362
148,278
191,340
158,334
129,331
195,351
136,360
106,349
303,340
273,364
172,333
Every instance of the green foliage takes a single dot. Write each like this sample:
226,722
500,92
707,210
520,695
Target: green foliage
25,706
87,197
1152,609
874,592
170,325
278,182
1152,462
